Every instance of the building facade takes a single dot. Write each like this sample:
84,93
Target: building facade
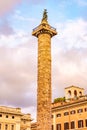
71,114
14,119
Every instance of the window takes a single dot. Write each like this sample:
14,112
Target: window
58,126
52,127
72,125
80,93
0,115
86,122
58,115
6,127
80,123
80,110
85,109
12,127
66,113
73,112
0,126
6,116
69,94
66,126
12,117
75,94
51,116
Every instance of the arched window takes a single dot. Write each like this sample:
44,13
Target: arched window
12,127
69,94
80,93
75,94
6,127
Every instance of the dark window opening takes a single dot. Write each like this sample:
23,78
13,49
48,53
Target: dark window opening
85,109
72,125
12,117
6,127
86,122
66,126
58,115
6,116
80,123
0,115
75,94
80,93
73,112
69,94
58,126
12,127
52,127
0,126
66,113
79,110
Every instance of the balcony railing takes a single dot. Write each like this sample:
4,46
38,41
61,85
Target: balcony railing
44,25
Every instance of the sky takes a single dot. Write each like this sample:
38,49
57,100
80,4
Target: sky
18,49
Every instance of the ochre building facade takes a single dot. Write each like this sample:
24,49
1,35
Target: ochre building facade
14,119
71,114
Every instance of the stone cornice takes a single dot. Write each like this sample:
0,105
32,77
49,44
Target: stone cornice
44,28
74,87
69,105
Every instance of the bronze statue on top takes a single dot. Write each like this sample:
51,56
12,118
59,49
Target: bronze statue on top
45,17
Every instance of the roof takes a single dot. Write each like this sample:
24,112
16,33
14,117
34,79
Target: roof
72,86
65,105
10,110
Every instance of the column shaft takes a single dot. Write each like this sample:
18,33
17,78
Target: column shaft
44,82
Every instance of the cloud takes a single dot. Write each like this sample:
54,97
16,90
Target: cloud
20,17
70,56
73,32
7,5
81,2
36,1
17,69
11,40
17,75
6,29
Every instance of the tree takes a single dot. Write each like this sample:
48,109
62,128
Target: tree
60,99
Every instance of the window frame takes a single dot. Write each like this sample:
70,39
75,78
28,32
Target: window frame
58,115
85,122
0,115
12,127
80,110
52,127
66,125
72,112
72,124
66,113
80,124
85,109
13,117
0,126
58,126
6,126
